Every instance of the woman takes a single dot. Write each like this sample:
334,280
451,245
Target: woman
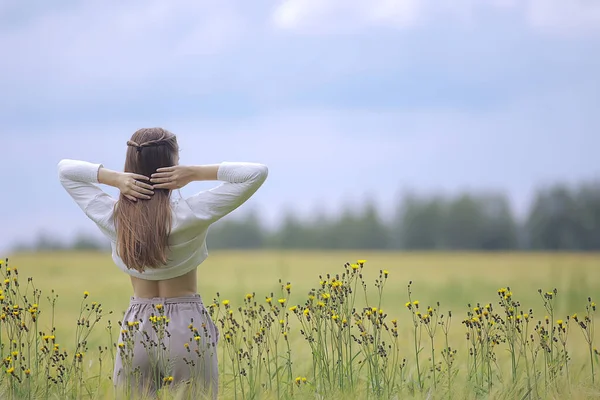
167,335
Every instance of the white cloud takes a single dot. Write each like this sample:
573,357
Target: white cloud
335,16
317,16
108,41
568,17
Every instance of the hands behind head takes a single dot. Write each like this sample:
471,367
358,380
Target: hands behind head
135,186
172,178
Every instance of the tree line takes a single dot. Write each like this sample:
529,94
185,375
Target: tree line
560,218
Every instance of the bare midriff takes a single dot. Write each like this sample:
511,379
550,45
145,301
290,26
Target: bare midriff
184,285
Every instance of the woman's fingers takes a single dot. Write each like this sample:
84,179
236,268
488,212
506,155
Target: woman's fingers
140,189
143,185
165,169
169,185
140,177
130,197
160,180
161,175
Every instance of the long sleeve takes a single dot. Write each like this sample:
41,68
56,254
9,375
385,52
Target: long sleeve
240,181
80,179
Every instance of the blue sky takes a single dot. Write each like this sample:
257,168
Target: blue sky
343,99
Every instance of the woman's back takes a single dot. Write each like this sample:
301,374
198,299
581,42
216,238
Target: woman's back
190,217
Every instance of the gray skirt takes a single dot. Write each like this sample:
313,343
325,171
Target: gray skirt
167,341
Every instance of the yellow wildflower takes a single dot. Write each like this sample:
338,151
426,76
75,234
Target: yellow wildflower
86,294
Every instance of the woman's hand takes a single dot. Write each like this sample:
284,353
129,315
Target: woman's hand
128,183
172,178
131,186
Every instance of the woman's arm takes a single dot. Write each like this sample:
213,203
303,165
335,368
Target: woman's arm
79,178
240,182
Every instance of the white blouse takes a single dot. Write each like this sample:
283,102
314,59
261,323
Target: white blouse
191,216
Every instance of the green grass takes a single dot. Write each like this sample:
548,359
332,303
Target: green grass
452,279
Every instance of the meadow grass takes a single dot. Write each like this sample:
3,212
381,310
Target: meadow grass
288,329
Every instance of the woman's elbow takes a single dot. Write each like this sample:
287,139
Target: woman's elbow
62,168
262,172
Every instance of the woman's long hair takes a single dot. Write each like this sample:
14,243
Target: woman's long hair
143,226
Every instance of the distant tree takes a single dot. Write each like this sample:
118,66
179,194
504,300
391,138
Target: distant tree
552,223
419,223
291,234
46,241
587,201
500,229
374,234
243,233
344,232
464,223
87,242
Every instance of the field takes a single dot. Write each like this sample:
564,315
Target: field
455,280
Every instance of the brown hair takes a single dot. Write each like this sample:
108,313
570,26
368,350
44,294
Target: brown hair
143,226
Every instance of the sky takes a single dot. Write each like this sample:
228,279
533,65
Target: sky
344,100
